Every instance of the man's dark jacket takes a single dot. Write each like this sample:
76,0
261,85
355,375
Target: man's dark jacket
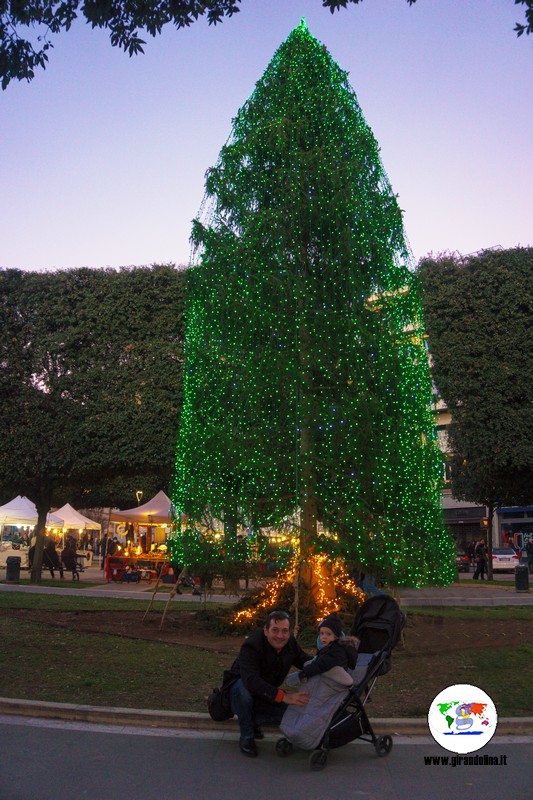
262,669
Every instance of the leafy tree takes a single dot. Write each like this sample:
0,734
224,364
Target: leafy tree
306,385
39,419
478,311
520,28
128,349
19,56
90,370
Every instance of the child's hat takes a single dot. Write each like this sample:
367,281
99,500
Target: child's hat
332,622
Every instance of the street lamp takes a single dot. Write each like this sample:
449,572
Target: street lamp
138,495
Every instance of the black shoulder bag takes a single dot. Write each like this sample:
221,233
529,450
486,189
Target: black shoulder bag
219,702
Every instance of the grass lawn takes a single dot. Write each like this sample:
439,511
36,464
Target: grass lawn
62,665
43,662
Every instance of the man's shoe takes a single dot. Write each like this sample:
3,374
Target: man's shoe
258,733
247,747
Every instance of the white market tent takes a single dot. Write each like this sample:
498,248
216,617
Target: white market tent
73,519
21,511
158,511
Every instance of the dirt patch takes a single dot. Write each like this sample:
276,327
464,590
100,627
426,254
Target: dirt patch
434,635
179,627
435,652
423,635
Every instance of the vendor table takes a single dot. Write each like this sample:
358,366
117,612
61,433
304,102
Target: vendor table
147,566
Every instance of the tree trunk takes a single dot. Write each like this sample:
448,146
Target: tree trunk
308,503
230,521
231,582
310,581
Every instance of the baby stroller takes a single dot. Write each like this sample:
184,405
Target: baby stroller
378,625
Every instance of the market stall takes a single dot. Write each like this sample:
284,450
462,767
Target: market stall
74,521
21,512
145,526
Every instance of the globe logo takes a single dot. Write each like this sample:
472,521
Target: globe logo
462,718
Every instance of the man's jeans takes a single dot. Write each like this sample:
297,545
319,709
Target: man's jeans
253,711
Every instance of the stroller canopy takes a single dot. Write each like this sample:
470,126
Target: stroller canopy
378,624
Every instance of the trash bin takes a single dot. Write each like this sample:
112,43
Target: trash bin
13,569
521,578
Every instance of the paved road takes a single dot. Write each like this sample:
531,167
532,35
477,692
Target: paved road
112,763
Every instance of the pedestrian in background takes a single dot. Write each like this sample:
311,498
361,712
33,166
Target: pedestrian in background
103,550
51,559
70,561
481,561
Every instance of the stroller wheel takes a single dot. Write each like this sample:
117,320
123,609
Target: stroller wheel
318,760
283,748
383,745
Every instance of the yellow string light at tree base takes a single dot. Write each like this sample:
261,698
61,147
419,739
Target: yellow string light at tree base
306,383
272,596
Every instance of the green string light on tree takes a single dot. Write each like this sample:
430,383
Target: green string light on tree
306,381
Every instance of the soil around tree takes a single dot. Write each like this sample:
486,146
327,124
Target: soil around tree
425,661
428,635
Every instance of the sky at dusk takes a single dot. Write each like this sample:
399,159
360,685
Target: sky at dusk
103,156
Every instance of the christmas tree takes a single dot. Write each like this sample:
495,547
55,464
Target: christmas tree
307,391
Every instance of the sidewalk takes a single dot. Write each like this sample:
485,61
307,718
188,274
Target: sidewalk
196,721
467,594
464,593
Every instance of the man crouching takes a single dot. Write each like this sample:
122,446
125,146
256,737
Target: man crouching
262,665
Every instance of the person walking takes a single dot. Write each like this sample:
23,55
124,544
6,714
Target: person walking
481,561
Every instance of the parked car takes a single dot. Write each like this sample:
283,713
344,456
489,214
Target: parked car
462,561
504,559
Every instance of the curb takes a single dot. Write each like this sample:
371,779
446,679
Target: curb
416,726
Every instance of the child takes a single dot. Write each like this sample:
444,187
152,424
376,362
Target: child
335,650
329,682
